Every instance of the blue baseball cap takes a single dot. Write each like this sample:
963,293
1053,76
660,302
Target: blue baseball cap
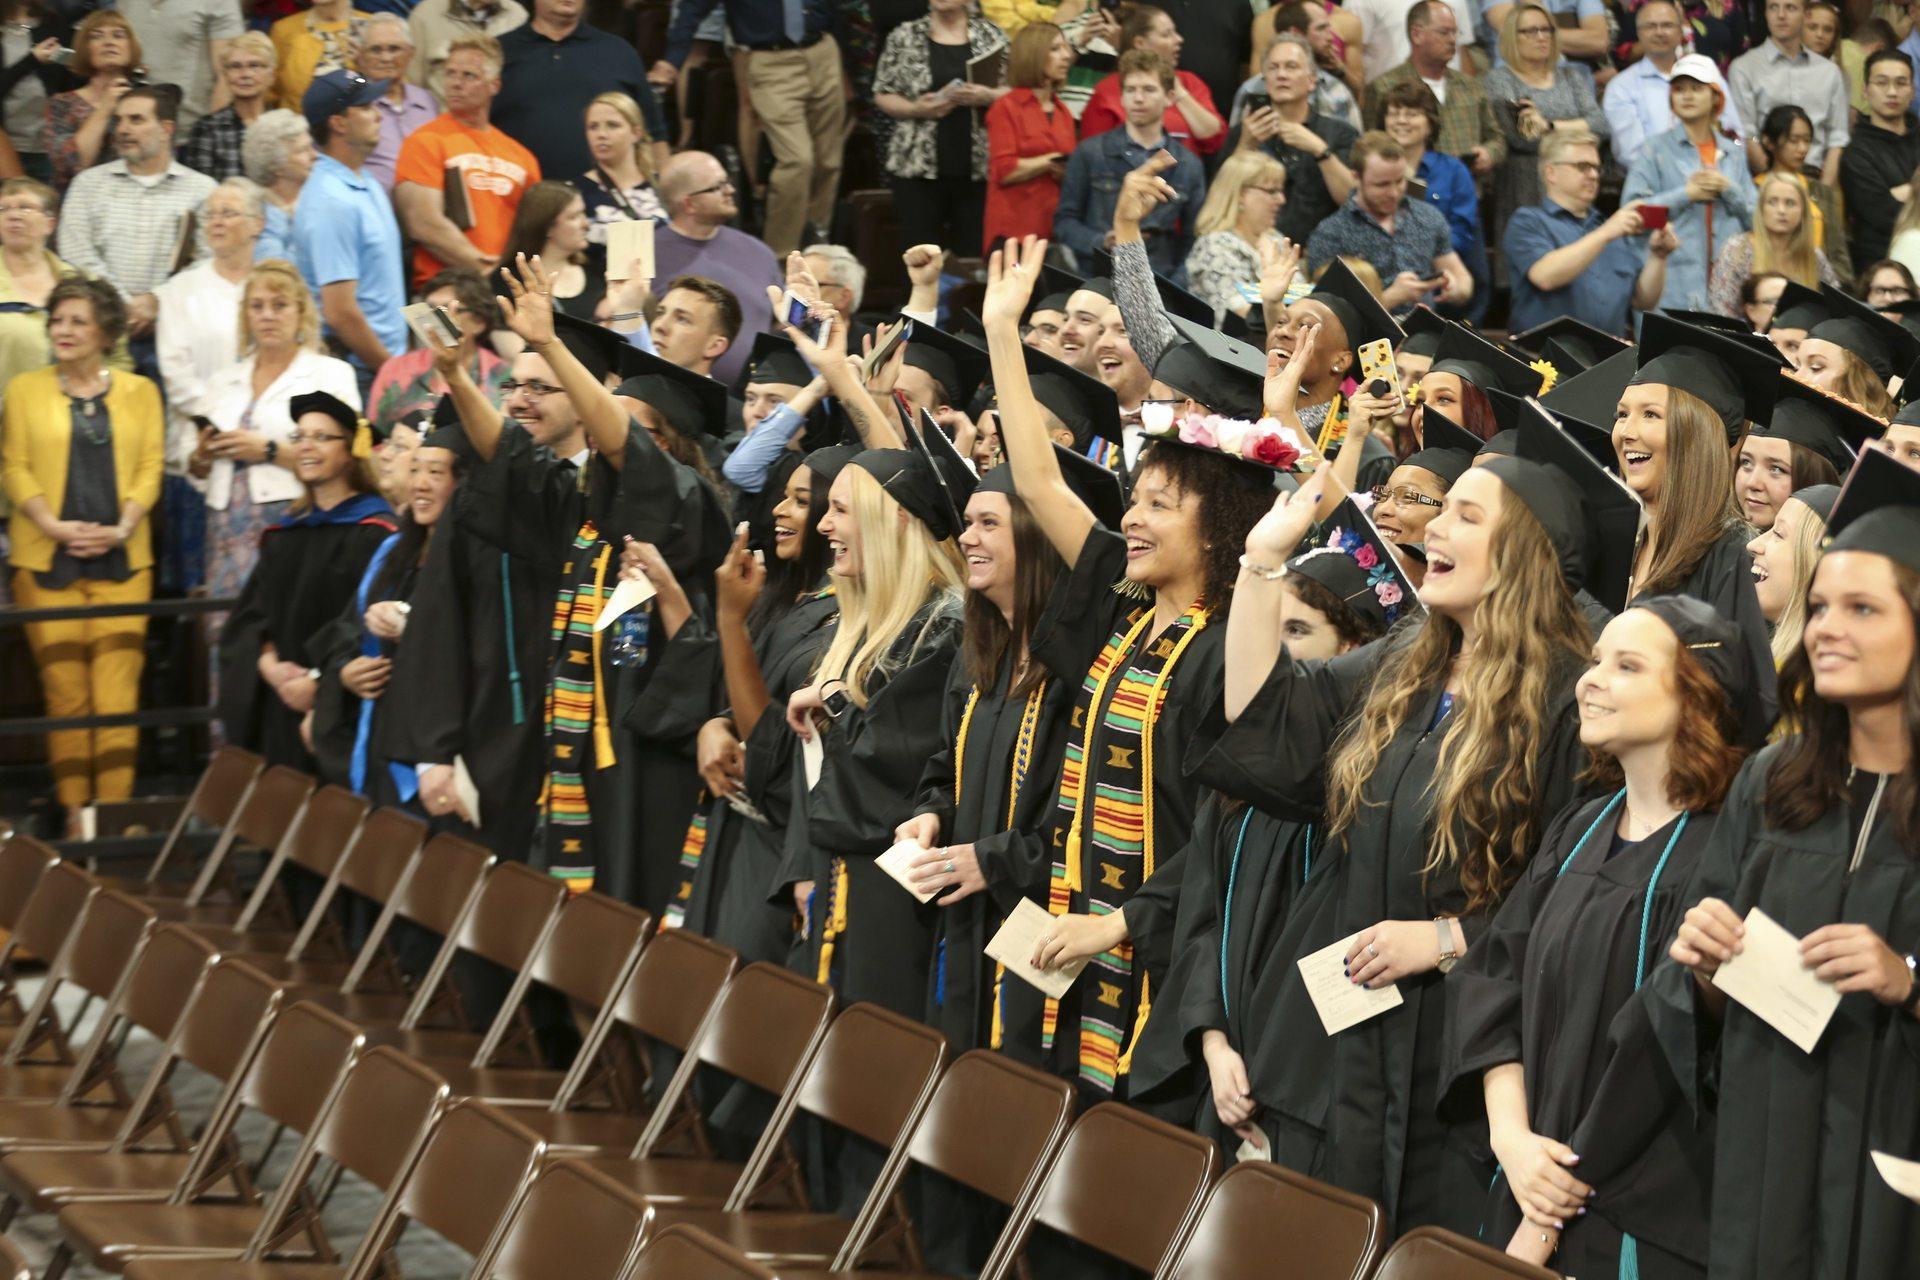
334,92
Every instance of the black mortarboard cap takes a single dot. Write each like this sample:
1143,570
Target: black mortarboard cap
1470,356
1096,486
1878,510
825,464
1714,641
1809,417
775,360
1737,381
1593,396
1179,302
1446,448
1221,373
953,474
1888,348
1423,327
1356,564
956,364
1586,344
1056,286
324,402
1360,312
691,402
1087,406
1566,363
1799,307
1818,498
1501,444
597,347
1709,320
1602,527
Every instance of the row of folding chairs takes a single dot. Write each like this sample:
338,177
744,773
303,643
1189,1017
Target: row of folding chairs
258,999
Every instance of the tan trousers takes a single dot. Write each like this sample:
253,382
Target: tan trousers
797,94
89,667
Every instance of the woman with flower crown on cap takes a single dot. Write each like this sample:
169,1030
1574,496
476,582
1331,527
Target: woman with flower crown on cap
1596,1174
1433,759
1814,854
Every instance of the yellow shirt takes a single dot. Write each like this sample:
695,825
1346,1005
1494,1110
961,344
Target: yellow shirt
36,439
308,47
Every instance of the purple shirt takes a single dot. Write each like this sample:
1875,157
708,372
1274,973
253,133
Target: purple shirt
417,106
738,261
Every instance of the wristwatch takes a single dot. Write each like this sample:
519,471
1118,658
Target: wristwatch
836,703
1448,956
1912,1003
273,450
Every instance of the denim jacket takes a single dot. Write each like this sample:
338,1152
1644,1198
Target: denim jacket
1659,176
1091,190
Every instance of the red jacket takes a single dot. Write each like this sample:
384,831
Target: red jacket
1103,112
1016,129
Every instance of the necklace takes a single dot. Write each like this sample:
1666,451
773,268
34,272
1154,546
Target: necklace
88,403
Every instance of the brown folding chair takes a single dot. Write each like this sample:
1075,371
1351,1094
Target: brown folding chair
584,958
374,1128
301,1060
95,962
165,977
1124,1183
215,798
873,1077
316,842
13,1263
1430,1253
47,919
23,860
688,1253
1259,1211
665,1002
573,1222
260,822
768,1026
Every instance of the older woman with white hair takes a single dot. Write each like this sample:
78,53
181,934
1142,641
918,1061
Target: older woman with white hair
278,155
213,145
198,335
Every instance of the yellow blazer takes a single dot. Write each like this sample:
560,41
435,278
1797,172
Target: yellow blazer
36,438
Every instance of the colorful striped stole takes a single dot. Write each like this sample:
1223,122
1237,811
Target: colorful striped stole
576,711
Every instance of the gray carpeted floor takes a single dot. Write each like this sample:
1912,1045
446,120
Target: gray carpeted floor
422,1255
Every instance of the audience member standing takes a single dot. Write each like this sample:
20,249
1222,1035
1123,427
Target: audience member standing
555,65
1537,93
183,42
30,35
386,51
619,185
1407,241
1386,38
129,221
1781,243
28,272
434,24
81,464
696,241
311,43
1312,148
1876,171
1636,99
1234,236
494,171
1030,134
105,52
213,144
1787,136
936,155
1411,116
278,153
1468,129
1784,71
1192,116
345,239
794,79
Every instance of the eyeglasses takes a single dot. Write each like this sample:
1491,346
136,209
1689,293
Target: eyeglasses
213,215
1896,292
1403,496
533,390
313,437
1588,167
707,191
1278,193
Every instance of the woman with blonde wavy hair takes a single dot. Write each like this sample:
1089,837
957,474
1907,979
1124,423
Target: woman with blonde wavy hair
1235,228
1433,759
1784,555
871,717
619,186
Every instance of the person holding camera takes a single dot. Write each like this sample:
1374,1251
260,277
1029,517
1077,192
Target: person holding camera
1535,94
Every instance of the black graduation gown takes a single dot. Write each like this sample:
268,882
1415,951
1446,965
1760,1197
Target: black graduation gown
336,712
1385,1135
1083,615
1015,861
307,573
728,900
1724,579
1542,987
869,780
1795,1193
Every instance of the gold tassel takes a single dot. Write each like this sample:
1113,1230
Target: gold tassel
362,439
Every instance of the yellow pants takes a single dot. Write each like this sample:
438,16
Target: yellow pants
89,667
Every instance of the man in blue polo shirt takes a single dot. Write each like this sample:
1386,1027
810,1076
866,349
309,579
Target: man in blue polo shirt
345,239
1564,259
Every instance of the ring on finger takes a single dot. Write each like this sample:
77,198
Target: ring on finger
1372,950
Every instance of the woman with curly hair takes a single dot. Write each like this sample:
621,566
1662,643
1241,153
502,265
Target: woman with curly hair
1534,1000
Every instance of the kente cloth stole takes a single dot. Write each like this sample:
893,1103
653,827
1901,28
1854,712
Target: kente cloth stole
576,710
1105,809
1017,776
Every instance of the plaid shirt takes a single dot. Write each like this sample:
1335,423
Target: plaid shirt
213,145
1466,117
117,228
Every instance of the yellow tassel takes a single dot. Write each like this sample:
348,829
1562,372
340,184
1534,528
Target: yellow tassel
603,752
362,439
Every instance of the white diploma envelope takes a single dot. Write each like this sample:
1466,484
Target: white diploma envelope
1013,947
629,595
1339,1002
898,862
1770,980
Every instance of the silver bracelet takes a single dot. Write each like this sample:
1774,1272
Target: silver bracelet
1266,573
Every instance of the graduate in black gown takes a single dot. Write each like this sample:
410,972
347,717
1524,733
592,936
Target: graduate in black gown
1533,1002
1435,757
1255,898
986,797
353,716
1819,832
310,565
1847,348
873,703
772,622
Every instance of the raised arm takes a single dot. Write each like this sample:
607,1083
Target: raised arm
1253,625
1063,518
1134,291
529,313
478,418
877,428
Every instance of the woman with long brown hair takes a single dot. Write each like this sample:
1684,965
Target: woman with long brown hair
1844,347
1816,841
1534,1000
552,225
1434,758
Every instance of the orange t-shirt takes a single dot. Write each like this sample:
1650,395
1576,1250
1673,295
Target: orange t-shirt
497,170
